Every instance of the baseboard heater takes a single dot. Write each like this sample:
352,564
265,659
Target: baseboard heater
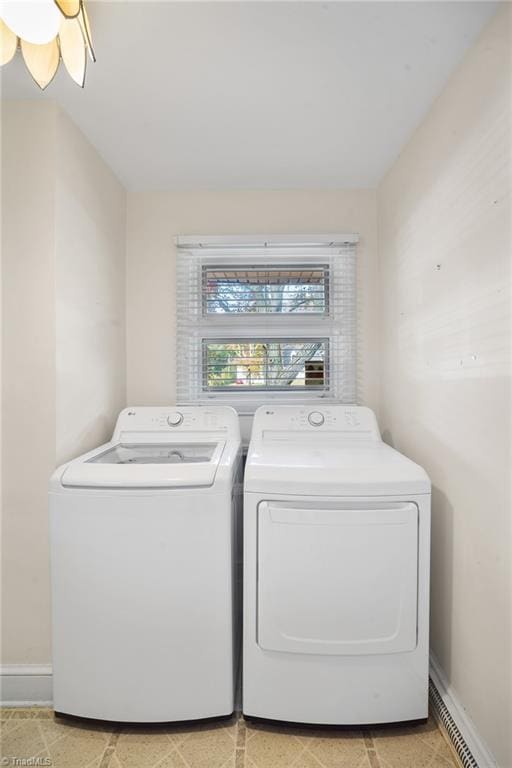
456,738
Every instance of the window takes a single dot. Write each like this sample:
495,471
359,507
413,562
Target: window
266,290
273,365
266,320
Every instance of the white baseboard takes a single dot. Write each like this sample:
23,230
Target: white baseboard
479,750
24,685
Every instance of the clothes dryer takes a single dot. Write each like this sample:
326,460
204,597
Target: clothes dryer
336,571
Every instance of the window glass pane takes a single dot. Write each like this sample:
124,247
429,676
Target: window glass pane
268,290
270,364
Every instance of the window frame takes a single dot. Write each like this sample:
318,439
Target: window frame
337,325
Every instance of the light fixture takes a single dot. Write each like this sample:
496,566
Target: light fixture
46,32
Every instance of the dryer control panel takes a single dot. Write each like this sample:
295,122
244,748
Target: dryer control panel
348,420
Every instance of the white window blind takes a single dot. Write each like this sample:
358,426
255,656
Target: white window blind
262,319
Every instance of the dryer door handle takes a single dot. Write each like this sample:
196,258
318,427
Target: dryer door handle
396,514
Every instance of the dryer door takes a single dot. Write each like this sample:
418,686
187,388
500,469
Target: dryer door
337,580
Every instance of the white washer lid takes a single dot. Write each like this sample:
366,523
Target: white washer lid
92,471
325,469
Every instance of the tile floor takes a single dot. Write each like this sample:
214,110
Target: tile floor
66,743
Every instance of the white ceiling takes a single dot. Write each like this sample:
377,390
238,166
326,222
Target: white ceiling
254,95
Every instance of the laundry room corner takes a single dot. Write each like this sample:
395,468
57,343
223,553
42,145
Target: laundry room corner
256,384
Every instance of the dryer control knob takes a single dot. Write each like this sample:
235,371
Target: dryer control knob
175,419
316,419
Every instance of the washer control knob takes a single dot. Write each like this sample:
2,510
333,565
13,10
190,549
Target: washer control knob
316,419
175,419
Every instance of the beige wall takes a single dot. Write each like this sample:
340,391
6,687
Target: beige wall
28,402
63,229
90,234
155,219
444,243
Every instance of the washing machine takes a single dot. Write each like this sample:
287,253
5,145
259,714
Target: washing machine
143,531
336,571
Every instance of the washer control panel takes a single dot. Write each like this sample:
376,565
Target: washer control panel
154,419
